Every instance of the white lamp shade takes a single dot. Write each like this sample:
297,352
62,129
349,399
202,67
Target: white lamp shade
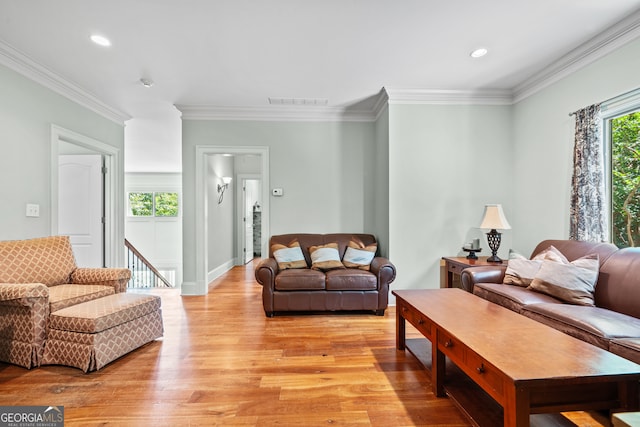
226,179
494,218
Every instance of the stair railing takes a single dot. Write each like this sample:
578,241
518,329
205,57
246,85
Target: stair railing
143,273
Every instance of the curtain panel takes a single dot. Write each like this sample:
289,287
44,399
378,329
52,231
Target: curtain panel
588,216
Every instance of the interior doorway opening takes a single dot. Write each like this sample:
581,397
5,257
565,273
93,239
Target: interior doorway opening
249,220
65,142
206,190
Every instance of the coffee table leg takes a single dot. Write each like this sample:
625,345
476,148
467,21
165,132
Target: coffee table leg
438,364
400,328
517,407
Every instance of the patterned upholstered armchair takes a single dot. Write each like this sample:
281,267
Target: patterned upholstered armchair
37,277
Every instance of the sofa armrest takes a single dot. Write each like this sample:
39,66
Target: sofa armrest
22,293
266,272
115,277
384,270
483,274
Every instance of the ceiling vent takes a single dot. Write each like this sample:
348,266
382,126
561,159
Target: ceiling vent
298,101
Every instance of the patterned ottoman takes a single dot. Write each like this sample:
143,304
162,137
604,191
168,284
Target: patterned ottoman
91,334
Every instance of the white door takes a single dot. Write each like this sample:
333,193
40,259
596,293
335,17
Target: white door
80,206
247,214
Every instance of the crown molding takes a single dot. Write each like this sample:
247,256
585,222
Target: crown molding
449,96
21,63
275,113
604,43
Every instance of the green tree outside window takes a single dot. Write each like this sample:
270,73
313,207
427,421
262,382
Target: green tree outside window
625,180
166,204
141,204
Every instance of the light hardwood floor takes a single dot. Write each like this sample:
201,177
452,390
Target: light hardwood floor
222,362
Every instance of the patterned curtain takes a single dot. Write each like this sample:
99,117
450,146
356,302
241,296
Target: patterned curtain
588,220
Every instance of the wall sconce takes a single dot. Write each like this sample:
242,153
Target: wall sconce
494,219
221,188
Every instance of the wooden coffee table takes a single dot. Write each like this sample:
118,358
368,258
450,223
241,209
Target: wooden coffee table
525,366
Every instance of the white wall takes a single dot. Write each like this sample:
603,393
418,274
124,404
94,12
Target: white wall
543,143
27,111
445,163
220,216
153,143
376,184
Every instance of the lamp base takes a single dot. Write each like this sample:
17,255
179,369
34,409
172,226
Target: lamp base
493,239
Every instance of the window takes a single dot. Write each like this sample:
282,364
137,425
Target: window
161,204
166,204
622,140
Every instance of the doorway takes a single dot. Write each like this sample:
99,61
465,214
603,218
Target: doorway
66,142
204,191
250,218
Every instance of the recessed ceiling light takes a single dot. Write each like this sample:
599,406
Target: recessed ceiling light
146,82
100,40
479,53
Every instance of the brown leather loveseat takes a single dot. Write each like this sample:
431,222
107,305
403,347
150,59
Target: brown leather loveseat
303,288
612,323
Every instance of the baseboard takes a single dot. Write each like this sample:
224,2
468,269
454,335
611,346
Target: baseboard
220,270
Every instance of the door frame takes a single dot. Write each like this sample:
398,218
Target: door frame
113,196
201,197
240,227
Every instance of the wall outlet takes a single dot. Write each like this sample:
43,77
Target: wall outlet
33,210
277,191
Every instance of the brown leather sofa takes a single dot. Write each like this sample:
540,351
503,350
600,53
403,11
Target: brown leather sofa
306,289
612,324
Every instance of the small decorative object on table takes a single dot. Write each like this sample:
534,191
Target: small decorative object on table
472,252
472,248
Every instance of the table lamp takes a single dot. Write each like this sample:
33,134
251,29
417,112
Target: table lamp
494,219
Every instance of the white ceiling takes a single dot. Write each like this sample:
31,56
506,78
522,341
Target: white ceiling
238,53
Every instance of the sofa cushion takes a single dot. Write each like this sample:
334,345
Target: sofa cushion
358,255
511,297
104,313
325,257
594,325
350,279
289,256
47,260
573,282
300,279
521,270
63,296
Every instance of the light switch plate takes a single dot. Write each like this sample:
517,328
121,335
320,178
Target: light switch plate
277,192
33,210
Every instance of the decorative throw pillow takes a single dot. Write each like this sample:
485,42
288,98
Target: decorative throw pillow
358,255
573,282
521,270
289,256
325,257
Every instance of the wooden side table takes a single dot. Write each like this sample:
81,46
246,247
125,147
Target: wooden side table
455,265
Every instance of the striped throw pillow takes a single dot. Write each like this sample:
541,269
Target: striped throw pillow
289,256
358,255
325,257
